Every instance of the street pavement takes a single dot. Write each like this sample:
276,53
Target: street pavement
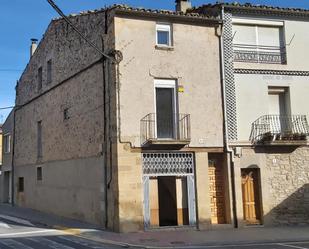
26,228
291,245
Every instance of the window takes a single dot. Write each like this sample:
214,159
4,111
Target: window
278,101
39,139
166,106
20,184
7,143
66,114
39,175
258,43
49,72
164,35
40,78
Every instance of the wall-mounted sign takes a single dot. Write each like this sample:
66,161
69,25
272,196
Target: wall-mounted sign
181,89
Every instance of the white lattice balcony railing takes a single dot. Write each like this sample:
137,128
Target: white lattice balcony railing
271,128
259,54
167,130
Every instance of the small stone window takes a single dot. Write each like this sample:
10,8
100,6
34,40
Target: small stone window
66,114
20,184
39,139
49,72
39,174
7,143
40,78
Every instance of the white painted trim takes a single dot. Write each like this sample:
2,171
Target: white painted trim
258,22
165,83
167,28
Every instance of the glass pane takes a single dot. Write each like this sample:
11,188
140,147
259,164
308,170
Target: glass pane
165,118
163,37
244,34
269,39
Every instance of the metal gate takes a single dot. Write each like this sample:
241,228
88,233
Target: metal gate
169,164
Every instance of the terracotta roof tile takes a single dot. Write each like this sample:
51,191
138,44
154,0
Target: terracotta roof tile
252,7
127,8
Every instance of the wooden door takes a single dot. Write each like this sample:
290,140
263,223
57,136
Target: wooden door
251,196
216,191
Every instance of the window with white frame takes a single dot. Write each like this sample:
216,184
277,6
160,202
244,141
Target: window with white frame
7,143
262,42
163,34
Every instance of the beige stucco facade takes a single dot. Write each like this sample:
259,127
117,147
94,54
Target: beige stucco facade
193,61
201,98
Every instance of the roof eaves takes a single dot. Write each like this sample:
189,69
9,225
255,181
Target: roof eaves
192,16
266,9
251,8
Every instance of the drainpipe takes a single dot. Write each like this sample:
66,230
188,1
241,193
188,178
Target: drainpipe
105,141
226,140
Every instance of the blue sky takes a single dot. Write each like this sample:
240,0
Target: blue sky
21,20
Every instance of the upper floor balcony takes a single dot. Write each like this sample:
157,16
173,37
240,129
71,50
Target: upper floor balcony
280,130
159,129
259,54
259,41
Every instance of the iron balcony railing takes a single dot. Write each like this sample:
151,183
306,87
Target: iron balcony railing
176,128
279,127
259,54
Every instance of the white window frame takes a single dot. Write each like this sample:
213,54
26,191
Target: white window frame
165,83
166,27
7,143
257,22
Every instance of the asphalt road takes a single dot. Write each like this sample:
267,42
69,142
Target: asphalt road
21,234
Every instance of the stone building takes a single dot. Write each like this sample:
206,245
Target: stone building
124,140
266,90
6,150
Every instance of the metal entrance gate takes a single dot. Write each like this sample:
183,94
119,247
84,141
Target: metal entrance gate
169,164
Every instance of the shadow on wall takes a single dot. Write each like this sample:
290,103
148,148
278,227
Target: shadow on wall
275,149
294,210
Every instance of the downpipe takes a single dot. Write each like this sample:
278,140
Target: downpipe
227,148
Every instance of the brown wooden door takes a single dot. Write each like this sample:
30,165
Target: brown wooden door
251,196
216,191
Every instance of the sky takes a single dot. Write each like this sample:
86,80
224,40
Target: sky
21,20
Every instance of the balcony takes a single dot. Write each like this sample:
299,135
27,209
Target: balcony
259,54
158,131
280,130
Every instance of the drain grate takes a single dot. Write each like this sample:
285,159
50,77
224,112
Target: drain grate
178,243
149,240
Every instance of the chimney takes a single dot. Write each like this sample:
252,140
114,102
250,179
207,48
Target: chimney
183,5
33,46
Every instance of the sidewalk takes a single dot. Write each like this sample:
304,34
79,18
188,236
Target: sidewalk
162,238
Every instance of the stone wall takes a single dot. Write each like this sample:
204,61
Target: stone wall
71,109
289,187
284,173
